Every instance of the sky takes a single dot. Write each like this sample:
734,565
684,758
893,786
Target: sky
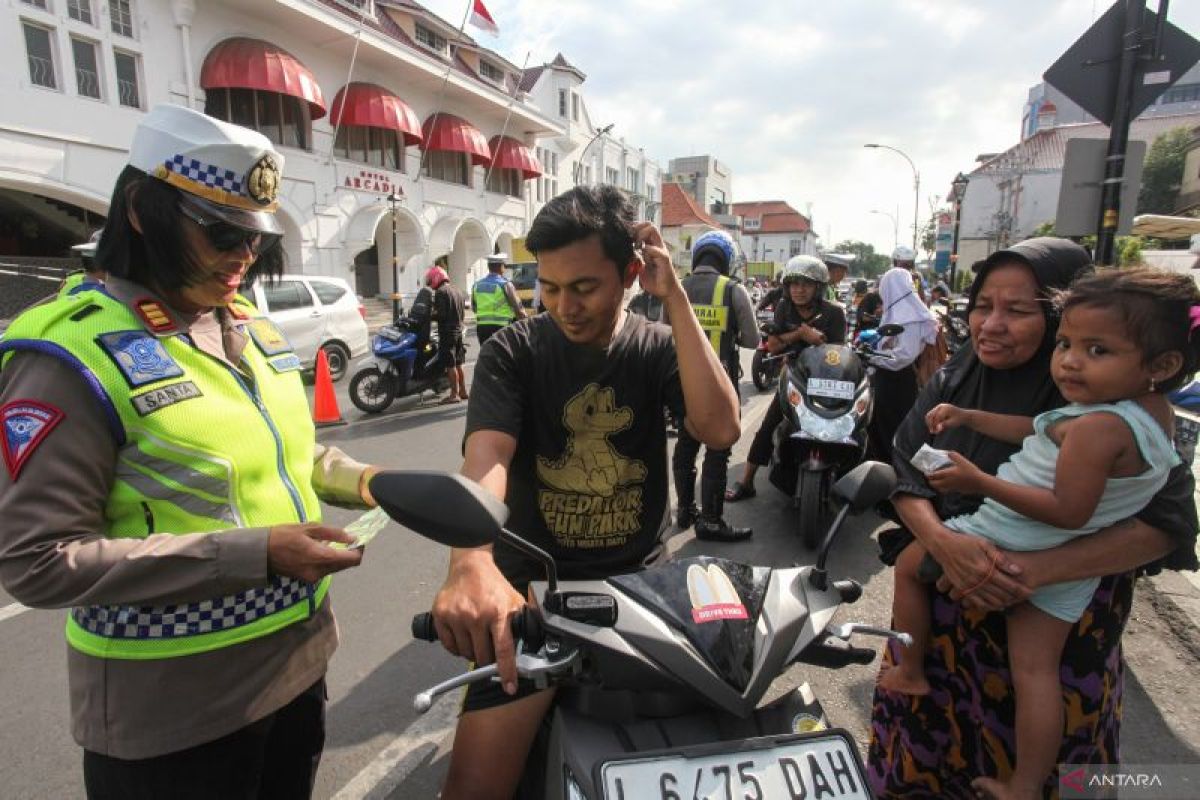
787,92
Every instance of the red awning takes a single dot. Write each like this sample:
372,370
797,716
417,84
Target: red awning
455,135
508,153
241,63
373,106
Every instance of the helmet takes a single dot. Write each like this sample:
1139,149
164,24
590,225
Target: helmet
435,277
720,244
904,253
836,260
808,267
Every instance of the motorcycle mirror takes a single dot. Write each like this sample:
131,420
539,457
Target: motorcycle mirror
442,506
866,485
891,329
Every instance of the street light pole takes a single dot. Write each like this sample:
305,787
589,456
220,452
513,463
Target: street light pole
916,186
397,308
895,225
579,164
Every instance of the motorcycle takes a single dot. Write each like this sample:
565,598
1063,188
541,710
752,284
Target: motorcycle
660,673
827,403
953,319
764,367
396,369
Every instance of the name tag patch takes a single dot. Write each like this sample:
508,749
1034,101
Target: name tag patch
268,337
25,424
289,362
141,358
157,399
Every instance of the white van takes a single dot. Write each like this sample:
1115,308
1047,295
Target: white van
315,312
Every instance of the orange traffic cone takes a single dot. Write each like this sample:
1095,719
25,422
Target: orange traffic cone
325,407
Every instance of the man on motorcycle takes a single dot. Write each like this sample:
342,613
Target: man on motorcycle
726,314
576,446
421,311
803,317
839,267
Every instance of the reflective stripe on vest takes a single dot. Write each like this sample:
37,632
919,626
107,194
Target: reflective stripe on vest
491,303
714,318
226,452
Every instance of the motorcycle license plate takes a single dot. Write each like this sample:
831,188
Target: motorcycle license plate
823,764
834,390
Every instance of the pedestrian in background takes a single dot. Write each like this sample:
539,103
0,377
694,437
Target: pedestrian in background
450,310
495,300
163,479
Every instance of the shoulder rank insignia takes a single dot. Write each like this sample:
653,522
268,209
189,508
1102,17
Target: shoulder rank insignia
154,316
141,358
25,424
268,337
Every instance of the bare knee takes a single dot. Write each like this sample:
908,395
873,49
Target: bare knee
490,748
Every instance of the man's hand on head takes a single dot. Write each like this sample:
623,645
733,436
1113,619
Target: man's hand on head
658,274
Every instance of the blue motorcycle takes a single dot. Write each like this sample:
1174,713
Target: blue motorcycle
396,368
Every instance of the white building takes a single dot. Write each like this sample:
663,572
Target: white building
365,99
707,180
772,231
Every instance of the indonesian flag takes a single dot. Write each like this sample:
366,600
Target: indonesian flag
480,18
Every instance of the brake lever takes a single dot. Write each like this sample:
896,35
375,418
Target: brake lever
848,629
529,666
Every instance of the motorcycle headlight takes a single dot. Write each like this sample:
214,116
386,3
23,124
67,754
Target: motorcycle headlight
826,430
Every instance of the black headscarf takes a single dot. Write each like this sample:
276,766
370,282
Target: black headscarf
1026,390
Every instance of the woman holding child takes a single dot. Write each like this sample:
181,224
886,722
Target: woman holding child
936,744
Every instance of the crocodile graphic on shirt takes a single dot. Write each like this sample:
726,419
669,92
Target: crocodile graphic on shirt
590,464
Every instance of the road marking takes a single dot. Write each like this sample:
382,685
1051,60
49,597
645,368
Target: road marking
12,610
394,763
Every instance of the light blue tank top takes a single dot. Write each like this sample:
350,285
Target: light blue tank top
1035,463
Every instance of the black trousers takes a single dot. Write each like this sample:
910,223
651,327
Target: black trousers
485,332
763,446
713,472
895,394
275,758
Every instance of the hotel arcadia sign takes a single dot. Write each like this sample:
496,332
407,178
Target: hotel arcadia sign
367,180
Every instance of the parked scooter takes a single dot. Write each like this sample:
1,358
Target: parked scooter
827,403
396,369
953,319
659,674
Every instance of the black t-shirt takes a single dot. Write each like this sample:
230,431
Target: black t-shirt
422,310
588,480
828,318
449,310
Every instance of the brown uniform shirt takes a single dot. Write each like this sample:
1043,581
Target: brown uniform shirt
53,555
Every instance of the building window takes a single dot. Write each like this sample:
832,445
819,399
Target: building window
633,176
283,119
506,181
359,7
379,147
491,72
121,15
41,56
562,103
430,39
80,10
587,175
650,192
574,106
128,92
795,247
87,70
450,167
36,4
612,176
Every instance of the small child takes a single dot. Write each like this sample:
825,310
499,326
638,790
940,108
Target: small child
1124,342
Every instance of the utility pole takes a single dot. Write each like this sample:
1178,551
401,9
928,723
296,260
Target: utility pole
1118,142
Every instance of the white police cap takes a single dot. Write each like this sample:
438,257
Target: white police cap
498,258
231,172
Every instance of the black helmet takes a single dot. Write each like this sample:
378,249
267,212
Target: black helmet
860,286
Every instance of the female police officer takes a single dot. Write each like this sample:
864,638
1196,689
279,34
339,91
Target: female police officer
162,481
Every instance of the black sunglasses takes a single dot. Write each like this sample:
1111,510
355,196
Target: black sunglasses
227,237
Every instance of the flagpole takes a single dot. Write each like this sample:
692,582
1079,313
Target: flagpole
512,100
349,75
438,97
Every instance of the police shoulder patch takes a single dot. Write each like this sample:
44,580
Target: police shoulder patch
154,316
268,337
141,358
25,424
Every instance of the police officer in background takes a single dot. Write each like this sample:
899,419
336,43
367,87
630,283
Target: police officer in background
162,480
495,300
726,315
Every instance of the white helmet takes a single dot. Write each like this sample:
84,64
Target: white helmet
808,267
904,253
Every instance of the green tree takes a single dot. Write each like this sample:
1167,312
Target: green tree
1162,174
867,263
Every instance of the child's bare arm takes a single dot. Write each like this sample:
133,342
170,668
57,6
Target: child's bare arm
1089,450
1002,427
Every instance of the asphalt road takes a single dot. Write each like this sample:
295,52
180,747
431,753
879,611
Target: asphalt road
379,747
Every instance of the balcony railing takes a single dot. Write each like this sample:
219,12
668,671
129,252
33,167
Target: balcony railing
87,82
127,92
41,72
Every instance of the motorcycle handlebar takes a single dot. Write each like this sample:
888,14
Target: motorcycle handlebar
526,627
